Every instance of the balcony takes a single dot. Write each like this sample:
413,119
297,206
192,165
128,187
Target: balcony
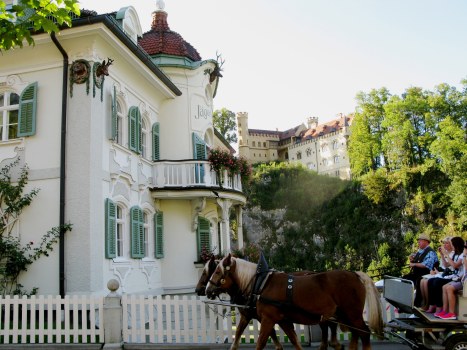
185,174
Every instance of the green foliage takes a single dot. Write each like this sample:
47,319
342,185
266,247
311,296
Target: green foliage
224,121
18,23
15,257
412,150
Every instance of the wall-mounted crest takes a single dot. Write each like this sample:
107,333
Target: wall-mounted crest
79,74
100,70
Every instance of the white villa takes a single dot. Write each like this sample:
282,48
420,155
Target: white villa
121,157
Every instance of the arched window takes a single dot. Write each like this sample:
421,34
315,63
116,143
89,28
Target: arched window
336,159
119,124
299,155
308,152
114,229
144,138
146,228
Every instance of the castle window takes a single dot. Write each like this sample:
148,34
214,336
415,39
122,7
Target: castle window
299,155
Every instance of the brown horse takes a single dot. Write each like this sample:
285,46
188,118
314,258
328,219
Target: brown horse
307,299
247,314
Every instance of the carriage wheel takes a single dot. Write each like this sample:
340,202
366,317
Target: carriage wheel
457,342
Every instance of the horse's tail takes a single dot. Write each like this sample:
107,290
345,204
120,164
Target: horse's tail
374,306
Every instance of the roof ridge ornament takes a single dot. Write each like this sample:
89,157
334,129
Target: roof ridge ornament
160,4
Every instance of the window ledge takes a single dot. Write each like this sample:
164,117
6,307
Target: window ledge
121,261
12,142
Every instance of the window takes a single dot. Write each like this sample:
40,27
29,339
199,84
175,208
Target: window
117,120
120,232
335,145
254,144
9,107
134,129
144,138
137,232
264,144
336,159
18,113
146,233
114,230
159,235
308,152
325,161
299,155
119,125
199,153
203,236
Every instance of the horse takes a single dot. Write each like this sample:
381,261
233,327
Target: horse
247,314
307,299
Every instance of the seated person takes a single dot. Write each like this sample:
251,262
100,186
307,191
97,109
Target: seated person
421,264
449,294
447,246
455,273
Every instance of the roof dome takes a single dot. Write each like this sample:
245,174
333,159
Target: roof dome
161,40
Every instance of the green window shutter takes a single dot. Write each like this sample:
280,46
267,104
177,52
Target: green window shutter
134,129
159,235
113,116
199,153
137,232
110,229
199,148
203,236
27,111
155,142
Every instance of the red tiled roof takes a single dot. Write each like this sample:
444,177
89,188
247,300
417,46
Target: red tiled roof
161,40
327,128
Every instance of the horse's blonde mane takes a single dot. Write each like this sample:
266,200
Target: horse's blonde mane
245,272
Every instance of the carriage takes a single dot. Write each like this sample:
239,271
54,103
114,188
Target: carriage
421,330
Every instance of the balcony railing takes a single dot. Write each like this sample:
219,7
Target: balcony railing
193,173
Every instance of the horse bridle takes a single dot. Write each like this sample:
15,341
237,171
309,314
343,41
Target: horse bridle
221,281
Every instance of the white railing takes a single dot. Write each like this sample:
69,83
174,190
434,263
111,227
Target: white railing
50,319
192,173
144,319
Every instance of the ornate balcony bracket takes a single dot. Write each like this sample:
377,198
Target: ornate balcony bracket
197,206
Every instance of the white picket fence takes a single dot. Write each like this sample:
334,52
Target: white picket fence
50,319
145,319
186,319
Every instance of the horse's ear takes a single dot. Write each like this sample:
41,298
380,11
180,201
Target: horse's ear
227,260
103,63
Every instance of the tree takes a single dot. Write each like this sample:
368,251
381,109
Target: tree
19,22
366,132
420,138
224,122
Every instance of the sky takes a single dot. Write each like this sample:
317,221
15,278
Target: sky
289,60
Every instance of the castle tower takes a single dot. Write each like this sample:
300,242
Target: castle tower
242,127
312,122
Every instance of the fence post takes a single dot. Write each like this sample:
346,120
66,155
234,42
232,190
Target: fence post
113,317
